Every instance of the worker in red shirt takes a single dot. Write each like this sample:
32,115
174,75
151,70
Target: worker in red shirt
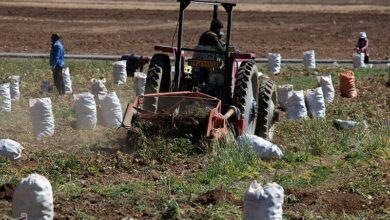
362,46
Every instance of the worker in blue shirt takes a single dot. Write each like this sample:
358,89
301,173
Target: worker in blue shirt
57,62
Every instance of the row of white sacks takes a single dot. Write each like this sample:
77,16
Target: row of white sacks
298,105
275,61
86,112
33,196
9,92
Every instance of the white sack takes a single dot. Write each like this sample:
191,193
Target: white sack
5,98
139,82
41,117
284,92
10,149
296,107
309,60
327,87
120,74
274,62
33,196
263,203
263,148
111,110
14,88
315,102
98,87
67,81
358,60
347,124
85,110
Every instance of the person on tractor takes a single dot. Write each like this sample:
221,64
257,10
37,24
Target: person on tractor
212,36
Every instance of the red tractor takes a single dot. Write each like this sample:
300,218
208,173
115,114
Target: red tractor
233,96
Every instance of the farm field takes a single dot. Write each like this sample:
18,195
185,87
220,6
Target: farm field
326,173
119,27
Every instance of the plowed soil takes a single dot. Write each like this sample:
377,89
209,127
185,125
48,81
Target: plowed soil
136,27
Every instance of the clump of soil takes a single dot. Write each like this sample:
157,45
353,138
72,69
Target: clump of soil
6,191
216,196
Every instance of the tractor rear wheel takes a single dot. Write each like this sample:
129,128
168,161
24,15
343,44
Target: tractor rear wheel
268,113
246,93
158,80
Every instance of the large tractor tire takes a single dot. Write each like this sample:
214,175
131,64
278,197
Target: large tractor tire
246,94
267,111
158,80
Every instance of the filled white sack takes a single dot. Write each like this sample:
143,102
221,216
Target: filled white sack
284,92
111,110
5,98
41,117
315,102
10,149
120,74
139,82
85,110
358,60
33,196
263,203
327,87
309,60
263,148
296,107
67,81
14,88
274,62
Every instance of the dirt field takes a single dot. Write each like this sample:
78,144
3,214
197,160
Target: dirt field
120,27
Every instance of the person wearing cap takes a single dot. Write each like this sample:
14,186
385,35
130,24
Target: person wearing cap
362,46
211,37
57,62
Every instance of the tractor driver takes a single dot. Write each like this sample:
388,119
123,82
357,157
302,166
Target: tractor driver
212,36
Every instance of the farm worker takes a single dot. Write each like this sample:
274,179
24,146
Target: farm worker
211,37
362,46
57,62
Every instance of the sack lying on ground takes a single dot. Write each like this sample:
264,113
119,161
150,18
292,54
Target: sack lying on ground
120,74
309,60
67,81
358,60
274,62
315,103
85,110
347,84
263,148
327,87
41,117
14,88
347,124
139,82
263,203
110,110
284,92
296,107
33,196
5,98
10,149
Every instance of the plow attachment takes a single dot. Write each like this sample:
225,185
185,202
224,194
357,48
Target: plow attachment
184,113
